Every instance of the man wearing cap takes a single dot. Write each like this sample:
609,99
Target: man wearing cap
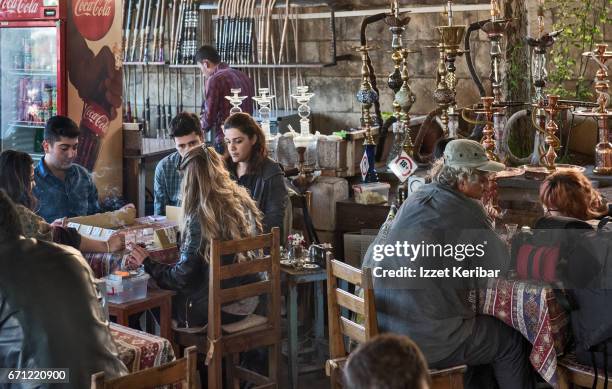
432,302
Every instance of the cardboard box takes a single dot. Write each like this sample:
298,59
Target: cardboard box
325,192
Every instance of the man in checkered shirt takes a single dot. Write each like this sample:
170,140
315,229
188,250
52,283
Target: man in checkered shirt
220,78
187,133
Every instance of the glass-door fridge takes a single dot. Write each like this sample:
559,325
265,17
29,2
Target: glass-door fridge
32,71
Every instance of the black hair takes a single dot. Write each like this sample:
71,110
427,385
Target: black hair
209,53
15,172
58,126
185,123
245,123
10,223
387,361
440,146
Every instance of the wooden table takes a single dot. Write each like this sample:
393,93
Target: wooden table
156,298
293,278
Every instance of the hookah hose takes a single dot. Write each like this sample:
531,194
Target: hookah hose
382,136
426,126
380,145
468,57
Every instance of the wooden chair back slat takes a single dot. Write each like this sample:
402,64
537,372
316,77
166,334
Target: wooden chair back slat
241,292
246,244
350,301
353,330
180,371
258,265
347,272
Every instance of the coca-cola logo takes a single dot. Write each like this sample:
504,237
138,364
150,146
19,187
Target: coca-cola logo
21,7
93,18
97,120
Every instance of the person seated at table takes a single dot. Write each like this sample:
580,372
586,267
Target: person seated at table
187,132
214,207
387,361
17,179
436,311
50,316
250,166
569,201
63,188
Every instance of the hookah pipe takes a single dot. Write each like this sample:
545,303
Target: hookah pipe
383,127
476,26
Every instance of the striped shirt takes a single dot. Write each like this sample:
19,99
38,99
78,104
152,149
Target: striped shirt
216,108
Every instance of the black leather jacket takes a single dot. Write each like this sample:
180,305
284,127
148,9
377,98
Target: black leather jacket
267,188
50,316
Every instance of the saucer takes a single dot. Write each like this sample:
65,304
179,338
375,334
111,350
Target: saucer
310,266
286,262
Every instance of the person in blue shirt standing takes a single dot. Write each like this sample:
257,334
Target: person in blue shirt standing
186,130
63,188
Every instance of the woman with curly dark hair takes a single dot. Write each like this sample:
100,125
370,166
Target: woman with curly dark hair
249,164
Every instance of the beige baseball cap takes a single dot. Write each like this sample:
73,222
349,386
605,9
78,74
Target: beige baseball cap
470,154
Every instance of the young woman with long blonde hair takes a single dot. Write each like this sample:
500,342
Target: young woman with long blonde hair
214,207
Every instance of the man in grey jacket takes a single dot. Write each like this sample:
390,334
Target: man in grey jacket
49,313
426,265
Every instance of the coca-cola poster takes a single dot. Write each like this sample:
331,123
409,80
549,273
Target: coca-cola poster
95,88
20,9
93,18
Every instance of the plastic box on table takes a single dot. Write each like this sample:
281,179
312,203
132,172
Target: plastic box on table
372,193
122,287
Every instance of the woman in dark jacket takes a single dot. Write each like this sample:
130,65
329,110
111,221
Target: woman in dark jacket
250,166
214,207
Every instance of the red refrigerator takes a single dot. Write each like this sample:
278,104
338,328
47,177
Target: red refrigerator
32,71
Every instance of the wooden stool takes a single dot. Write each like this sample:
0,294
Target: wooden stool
181,371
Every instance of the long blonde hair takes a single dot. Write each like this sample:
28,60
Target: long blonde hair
224,209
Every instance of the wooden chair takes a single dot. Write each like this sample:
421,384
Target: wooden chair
303,221
572,372
340,326
253,332
180,371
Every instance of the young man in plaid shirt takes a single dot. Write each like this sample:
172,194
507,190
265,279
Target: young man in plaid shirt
187,133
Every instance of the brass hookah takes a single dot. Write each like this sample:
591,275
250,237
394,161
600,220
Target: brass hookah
444,95
495,29
488,132
551,128
367,97
603,149
451,36
398,79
